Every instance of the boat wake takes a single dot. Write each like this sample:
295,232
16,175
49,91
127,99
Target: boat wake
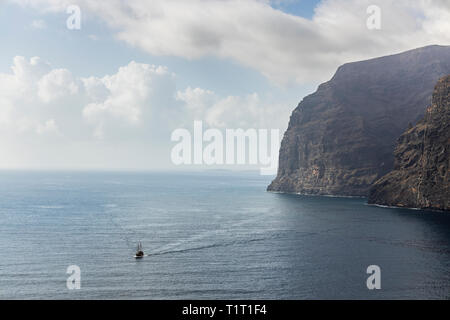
227,243
208,246
234,234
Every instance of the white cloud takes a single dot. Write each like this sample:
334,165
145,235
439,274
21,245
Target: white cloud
51,116
122,97
18,93
56,84
281,46
133,111
37,98
48,127
38,24
248,111
197,100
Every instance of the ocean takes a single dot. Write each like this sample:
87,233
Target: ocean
209,235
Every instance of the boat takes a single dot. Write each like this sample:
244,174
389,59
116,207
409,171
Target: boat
139,252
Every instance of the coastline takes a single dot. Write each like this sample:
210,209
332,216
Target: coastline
359,197
317,195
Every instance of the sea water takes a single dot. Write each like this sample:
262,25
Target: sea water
209,235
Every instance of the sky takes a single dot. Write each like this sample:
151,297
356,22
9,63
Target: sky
109,95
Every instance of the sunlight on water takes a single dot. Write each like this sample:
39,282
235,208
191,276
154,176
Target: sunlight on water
208,240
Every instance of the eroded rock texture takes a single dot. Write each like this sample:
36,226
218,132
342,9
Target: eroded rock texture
421,176
341,139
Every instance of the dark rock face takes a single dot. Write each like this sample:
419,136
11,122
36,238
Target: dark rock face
341,139
421,177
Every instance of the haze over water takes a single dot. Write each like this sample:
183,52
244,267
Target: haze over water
209,235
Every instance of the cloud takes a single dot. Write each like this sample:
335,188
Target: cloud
35,97
281,46
58,118
248,111
48,127
38,24
18,94
51,116
123,97
56,84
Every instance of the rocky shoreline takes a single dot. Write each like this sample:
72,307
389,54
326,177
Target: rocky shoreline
341,139
421,177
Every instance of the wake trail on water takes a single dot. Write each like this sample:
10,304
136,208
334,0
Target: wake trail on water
209,238
274,236
207,246
179,246
188,244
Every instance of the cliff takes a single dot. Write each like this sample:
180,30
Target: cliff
421,178
341,139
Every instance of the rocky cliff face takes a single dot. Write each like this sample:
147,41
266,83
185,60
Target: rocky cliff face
340,139
421,177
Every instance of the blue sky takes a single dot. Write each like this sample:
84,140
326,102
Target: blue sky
302,8
76,51
110,94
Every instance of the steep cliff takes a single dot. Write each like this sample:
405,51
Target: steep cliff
421,177
341,139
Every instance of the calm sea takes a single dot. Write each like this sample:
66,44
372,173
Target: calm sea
209,235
